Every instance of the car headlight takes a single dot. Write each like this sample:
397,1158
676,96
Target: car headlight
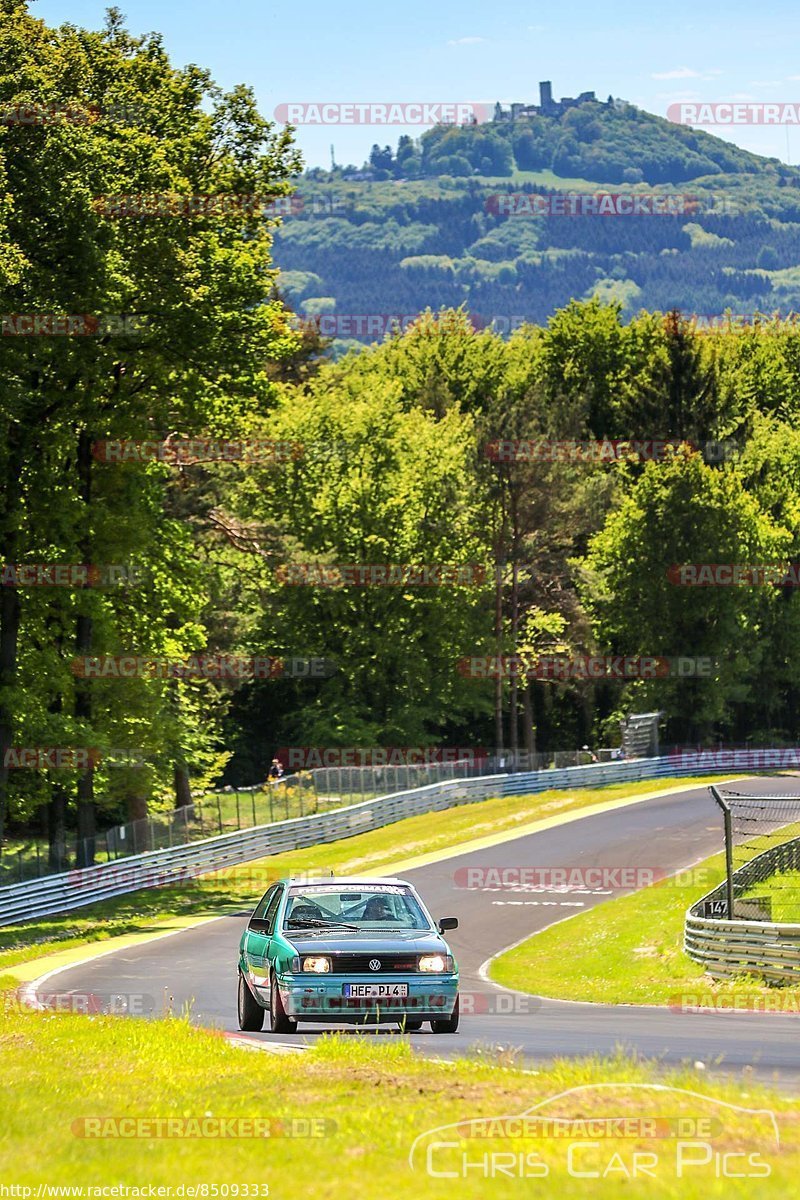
436,962
317,964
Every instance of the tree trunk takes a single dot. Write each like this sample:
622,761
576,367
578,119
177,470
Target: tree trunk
540,717
500,560
9,610
498,638
528,725
183,791
83,646
57,858
56,810
513,729
136,807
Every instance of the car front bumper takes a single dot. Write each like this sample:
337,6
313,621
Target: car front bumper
430,998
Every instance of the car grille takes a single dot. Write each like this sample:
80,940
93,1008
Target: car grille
358,964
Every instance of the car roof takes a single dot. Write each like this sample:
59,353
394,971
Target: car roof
344,880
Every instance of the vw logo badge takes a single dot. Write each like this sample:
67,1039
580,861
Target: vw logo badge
374,964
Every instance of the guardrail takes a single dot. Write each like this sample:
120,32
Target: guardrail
159,868
170,867
738,946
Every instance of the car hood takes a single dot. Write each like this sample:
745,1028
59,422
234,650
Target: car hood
408,941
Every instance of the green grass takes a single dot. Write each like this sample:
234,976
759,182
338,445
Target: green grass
238,887
376,1097
625,951
784,892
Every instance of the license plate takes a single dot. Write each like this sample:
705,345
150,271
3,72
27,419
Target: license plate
375,991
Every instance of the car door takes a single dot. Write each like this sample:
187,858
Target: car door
272,943
257,940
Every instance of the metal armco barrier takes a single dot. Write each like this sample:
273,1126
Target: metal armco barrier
740,947
159,868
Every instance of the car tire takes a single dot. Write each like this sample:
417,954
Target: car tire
278,1020
449,1024
251,1014
410,1025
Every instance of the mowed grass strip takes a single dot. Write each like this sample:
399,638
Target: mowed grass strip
239,887
376,1098
630,951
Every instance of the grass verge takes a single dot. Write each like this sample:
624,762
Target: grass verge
74,1079
239,887
783,894
630,951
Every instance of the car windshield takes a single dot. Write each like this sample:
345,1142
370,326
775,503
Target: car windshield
372,907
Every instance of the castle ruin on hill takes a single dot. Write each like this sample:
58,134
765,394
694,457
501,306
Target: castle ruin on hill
547,106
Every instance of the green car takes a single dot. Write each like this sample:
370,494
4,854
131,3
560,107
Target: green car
355,951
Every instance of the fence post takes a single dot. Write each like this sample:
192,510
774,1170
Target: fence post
219,812
726,816
238,815
253,794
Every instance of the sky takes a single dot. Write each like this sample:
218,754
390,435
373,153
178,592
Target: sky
365,52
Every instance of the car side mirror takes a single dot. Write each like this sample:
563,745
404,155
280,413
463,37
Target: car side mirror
259,925
448,923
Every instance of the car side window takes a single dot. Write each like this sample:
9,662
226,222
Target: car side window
272,910
260,909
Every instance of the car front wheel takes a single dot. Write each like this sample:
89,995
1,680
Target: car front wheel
278,1020
251,1014
449,1024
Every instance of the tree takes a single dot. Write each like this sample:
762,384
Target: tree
683,512
193,274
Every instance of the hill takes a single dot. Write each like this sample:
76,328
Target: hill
514,218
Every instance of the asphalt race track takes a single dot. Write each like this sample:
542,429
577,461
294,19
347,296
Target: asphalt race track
198,967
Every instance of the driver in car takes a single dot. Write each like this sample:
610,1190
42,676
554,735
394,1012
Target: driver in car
377,908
